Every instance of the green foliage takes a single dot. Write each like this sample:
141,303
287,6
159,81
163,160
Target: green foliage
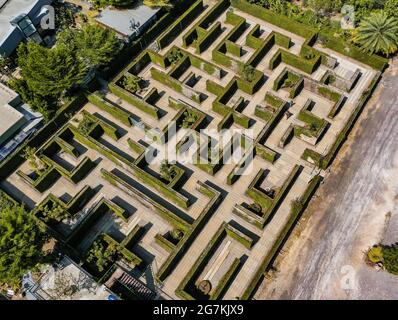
102,256
35,163
375,254
390,258
158,3
378,33
64,17
190,117
391,8
55,212
167,171
248,73
131,83
93,44
387,255
45,104
175,55
86,125
49,72
114,3
21,242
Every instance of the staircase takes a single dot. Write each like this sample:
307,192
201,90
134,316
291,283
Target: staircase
137,287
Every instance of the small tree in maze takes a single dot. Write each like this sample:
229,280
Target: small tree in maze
54,213
132,83
85,125
247,73
167,172
102,256
35,163
190,117
175,55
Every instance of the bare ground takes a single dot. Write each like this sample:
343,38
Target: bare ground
356,207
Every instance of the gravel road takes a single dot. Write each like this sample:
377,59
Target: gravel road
356,207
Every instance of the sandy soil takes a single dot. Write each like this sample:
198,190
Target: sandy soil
356,207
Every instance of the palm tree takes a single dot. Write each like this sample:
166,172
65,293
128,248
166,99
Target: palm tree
378,33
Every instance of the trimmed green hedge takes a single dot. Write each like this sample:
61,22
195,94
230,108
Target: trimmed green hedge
226,280
294,216
188,282
310,35
180,24
133,100
163,212
215,198
164,243
233,48
308,66
239,236
175,85
44,181
266,153
113,109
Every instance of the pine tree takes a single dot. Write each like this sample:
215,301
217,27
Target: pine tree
21,242
50,72
94,45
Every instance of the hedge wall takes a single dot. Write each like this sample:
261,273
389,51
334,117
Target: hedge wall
133,100
180,24
188,282
310,34
233,48
113,109
266,153
308,66
226,280
13,161
215,198
270,256
175,85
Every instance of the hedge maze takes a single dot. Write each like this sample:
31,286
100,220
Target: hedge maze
206,227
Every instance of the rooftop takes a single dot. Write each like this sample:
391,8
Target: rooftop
54,284
121,21
9,115
10,9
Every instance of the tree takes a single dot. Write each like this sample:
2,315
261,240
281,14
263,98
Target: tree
114,3
390,258
21,243
95,45
248,73
35,163
131,83
46,105
54,213
190,117
158,3
175,55
325,5
167,171
391,8
50,72
378,33
85,125
101,256
5,66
